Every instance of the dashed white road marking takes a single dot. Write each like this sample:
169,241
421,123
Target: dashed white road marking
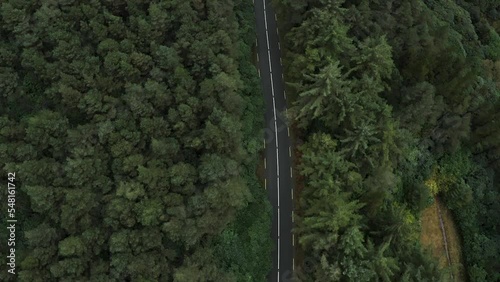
265,183
288,128
293,239
278,195
275,126
291,172
289,152
267,36
270,67
278,253
278,222
265,18
293,264
292,193
265,163
293,217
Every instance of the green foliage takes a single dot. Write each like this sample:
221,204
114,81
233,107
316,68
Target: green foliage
393,97
473,197
134,129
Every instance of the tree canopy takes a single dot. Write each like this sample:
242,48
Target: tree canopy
133,129
387,95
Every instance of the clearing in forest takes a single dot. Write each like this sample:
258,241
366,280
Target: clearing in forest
432,238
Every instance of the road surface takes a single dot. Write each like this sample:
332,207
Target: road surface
277,143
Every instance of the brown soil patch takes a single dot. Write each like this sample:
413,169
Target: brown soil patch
432,238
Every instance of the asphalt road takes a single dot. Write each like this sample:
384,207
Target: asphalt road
278,158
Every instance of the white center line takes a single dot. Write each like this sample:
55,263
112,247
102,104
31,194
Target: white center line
270,67
278,222
277,162
278,179
278,253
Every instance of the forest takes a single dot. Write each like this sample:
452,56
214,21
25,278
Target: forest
134,131
396,103
133,128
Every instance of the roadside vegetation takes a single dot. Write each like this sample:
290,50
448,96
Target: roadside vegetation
387,96
134,129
